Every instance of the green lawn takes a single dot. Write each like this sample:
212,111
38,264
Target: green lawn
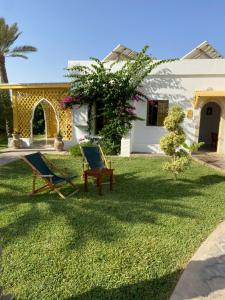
128,244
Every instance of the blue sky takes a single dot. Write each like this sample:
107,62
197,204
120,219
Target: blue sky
63,30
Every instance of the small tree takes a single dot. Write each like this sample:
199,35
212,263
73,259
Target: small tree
173,143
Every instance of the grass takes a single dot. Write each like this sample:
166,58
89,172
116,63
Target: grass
129,244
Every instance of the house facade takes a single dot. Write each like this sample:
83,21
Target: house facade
196,82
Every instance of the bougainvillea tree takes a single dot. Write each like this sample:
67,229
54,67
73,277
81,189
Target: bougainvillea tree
115,88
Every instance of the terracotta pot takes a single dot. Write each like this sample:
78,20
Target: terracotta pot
58,144
16,136
16,142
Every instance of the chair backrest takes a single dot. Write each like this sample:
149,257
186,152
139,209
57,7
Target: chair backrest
38,163
93,157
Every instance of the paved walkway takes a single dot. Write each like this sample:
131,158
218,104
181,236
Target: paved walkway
204,276
211,158
8,156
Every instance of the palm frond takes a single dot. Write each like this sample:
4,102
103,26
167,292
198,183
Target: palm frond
17,55
13,39
8,35
23,49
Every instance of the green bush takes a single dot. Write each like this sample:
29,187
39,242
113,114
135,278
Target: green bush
75,149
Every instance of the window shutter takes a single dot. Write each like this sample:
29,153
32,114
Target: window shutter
163,106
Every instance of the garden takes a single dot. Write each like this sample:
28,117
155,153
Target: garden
132,243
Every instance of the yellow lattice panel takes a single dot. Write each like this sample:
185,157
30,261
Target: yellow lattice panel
25,101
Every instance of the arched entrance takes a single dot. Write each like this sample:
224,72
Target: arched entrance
209,126
26,96
44,123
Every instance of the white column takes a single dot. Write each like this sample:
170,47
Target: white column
126,145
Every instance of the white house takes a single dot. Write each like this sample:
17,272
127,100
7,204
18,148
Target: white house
196,82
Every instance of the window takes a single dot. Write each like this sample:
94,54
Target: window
99,118
157,110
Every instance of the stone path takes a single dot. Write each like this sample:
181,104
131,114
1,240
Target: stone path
204,276
8,156
211,158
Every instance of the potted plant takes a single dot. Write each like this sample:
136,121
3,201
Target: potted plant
16,142
16,135
58,144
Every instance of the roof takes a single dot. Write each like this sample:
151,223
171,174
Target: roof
11,86
203,50
120,52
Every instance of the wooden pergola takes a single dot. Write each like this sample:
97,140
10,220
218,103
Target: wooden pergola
26,97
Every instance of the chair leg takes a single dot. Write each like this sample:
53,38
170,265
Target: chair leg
85,182
58,192
111,182
33,185
99,184
74,186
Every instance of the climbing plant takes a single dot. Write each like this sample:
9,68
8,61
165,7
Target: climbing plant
116,88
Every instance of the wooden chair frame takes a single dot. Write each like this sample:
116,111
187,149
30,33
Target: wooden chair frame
85,165
97,174
48,179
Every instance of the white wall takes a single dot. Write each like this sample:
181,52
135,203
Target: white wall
177,82
80,123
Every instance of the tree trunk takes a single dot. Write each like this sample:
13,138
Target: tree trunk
5,101
3,73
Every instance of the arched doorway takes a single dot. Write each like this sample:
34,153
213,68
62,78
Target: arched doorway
44,124
209,126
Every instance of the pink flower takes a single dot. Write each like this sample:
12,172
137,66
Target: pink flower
81,139
67,99
77,99
128,110
135,97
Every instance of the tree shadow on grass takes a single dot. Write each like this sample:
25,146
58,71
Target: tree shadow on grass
135,200
155,289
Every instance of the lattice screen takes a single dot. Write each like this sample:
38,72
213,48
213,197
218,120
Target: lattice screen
50,119
24,101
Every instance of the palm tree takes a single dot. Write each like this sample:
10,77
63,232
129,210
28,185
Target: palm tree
8,35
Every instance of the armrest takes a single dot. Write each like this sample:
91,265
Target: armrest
109,163
85,165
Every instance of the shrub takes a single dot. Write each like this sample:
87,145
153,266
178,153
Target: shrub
75,149
173,143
